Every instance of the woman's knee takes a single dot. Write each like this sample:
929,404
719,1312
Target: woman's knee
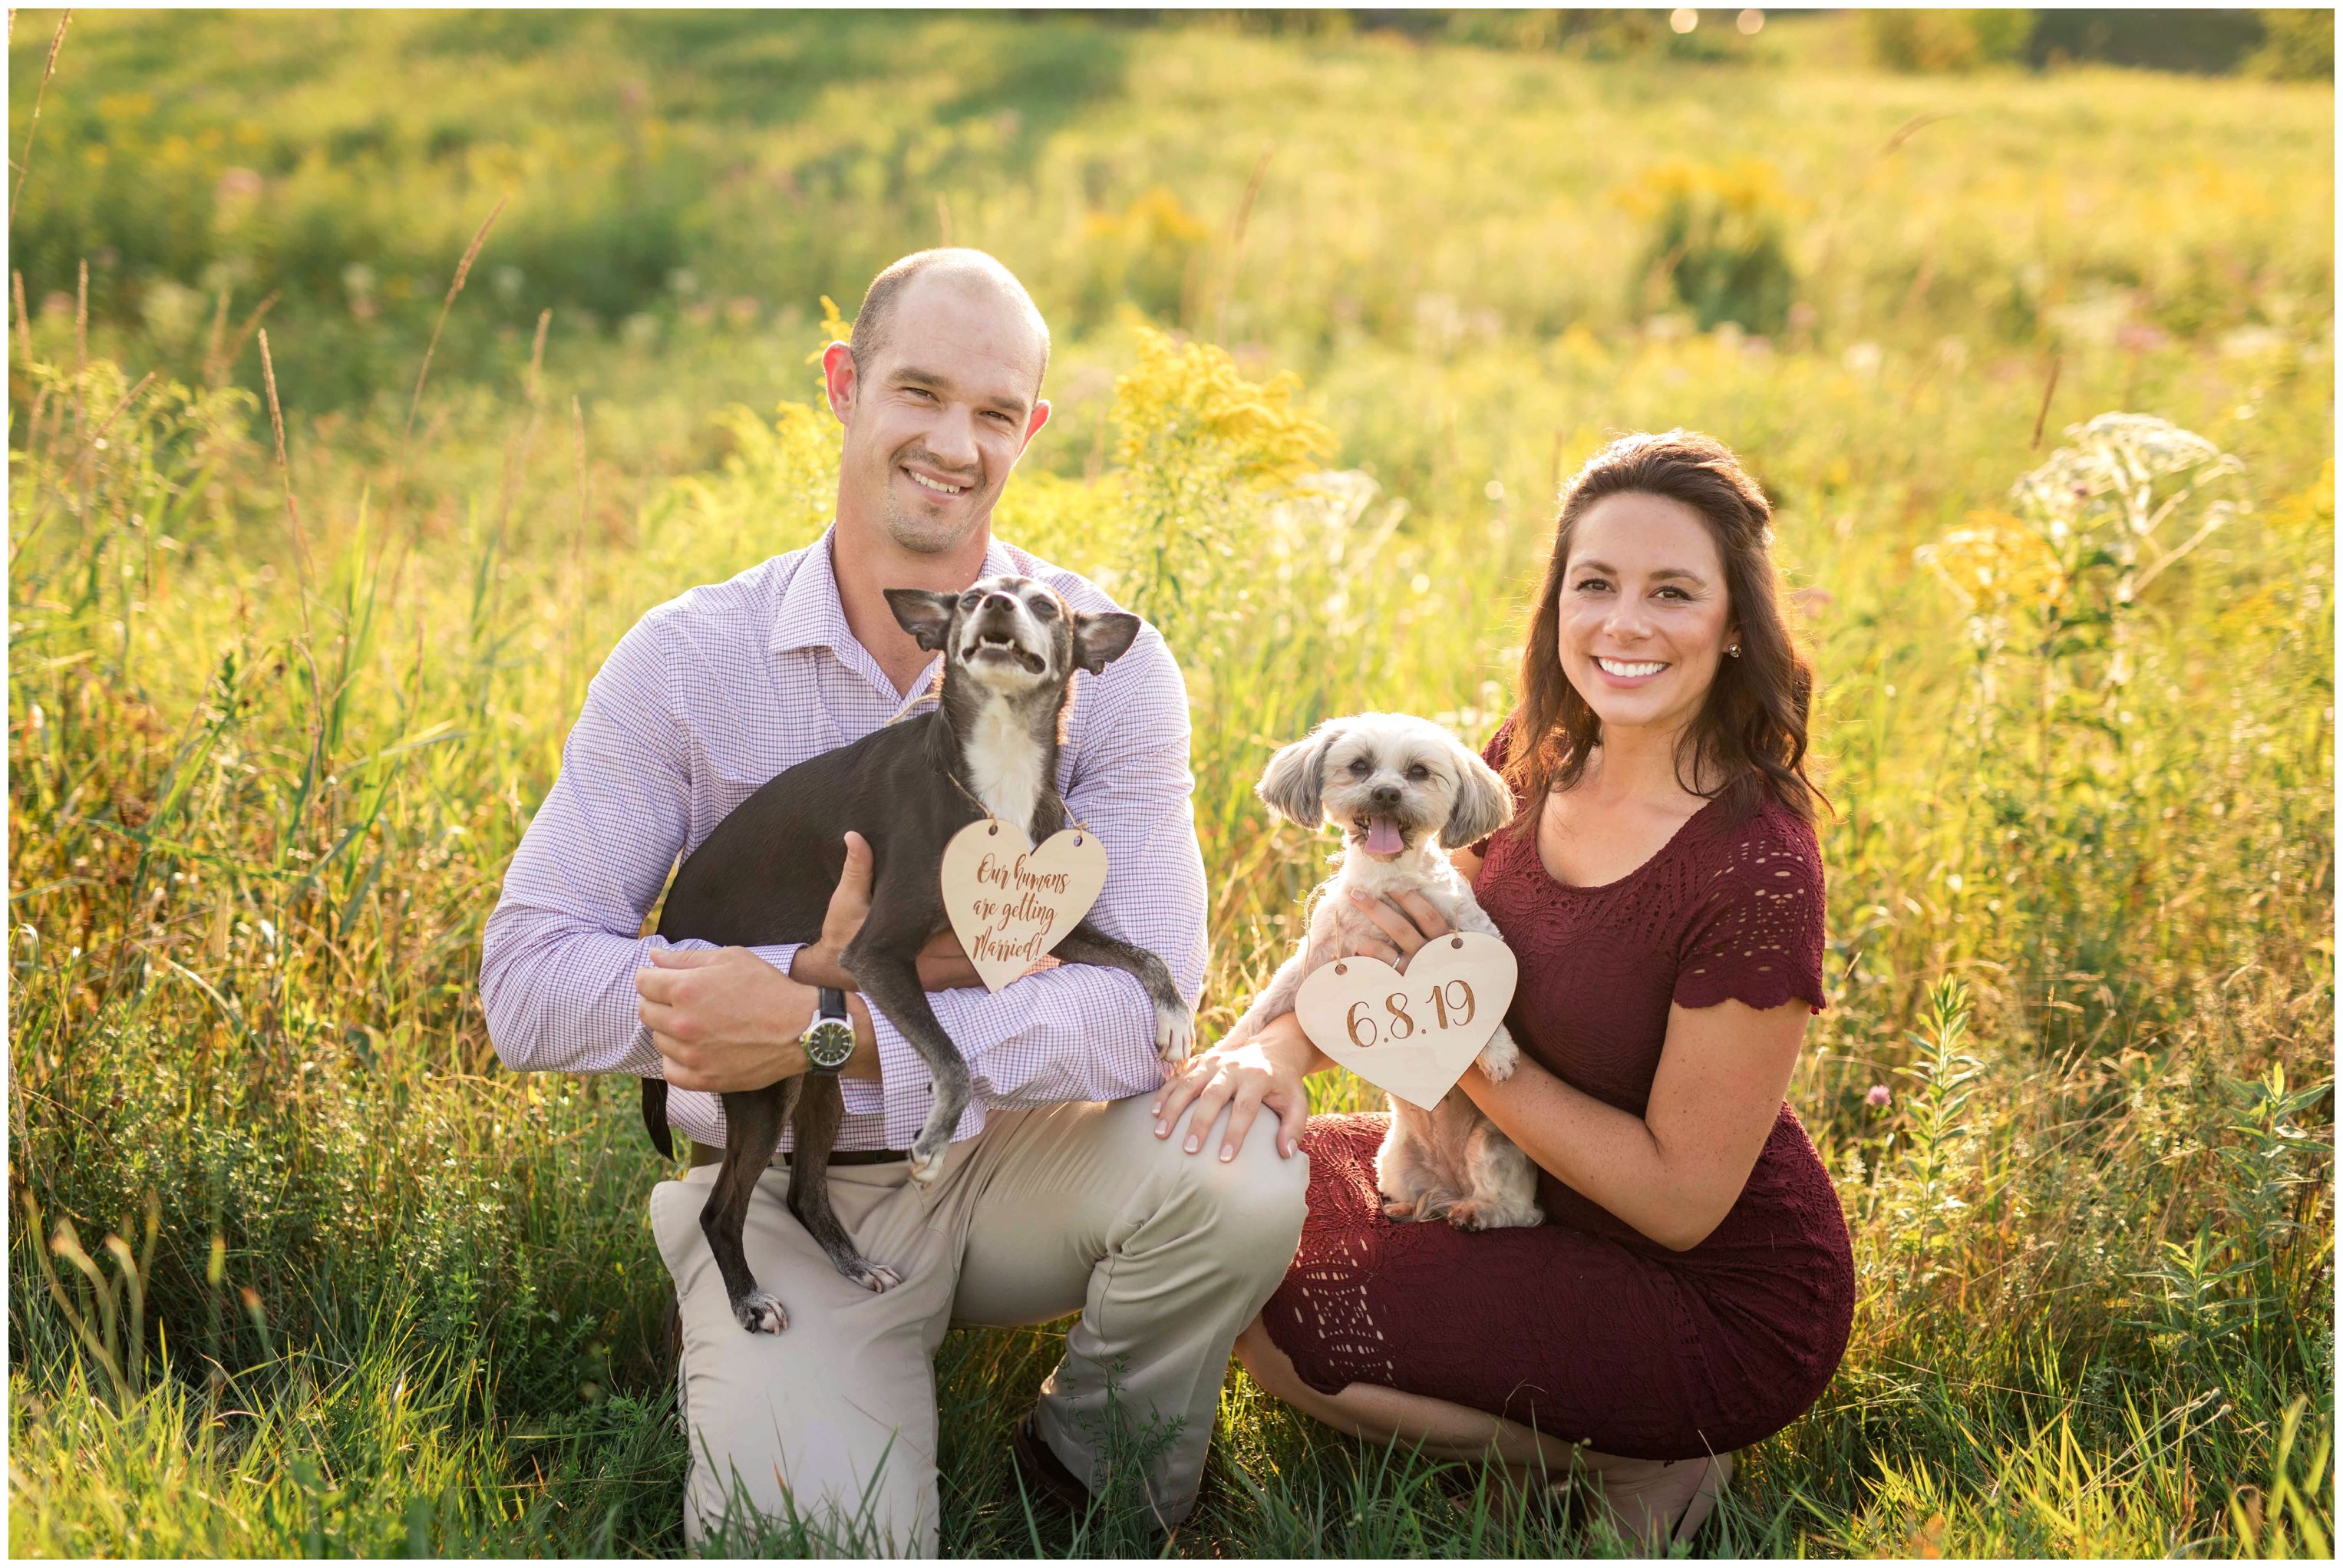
1265,1363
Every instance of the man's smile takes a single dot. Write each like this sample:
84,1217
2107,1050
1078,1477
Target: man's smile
935,483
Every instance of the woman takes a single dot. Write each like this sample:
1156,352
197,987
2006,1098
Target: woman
1692,1290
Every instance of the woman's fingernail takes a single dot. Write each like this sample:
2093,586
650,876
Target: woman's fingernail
1227,1153
1195,1143
1162,1128
1357,897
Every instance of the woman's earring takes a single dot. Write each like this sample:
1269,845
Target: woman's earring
1734,650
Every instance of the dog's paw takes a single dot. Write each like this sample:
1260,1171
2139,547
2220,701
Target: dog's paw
1472,1214
876,1277
760,1313
1499,1057
1493,1212
1175,1032
1399,1210
928,1152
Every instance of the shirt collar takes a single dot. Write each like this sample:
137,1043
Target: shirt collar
811,614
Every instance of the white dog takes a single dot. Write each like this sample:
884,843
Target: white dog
1401,789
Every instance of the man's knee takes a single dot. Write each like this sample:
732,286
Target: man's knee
1252,1204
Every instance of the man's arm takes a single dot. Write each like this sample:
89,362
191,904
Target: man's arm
1079,1032
560,954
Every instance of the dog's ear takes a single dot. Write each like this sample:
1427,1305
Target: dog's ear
1100,639
1484,802
926,615
1290,784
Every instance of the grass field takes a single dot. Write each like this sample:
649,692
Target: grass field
296,1268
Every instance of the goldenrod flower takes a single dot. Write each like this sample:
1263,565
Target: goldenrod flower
1180,392
835,328
1997,563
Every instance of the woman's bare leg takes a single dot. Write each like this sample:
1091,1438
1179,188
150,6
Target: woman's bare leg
1646,1497
1383,1415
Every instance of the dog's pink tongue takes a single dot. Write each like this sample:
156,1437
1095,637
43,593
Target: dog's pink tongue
1383,837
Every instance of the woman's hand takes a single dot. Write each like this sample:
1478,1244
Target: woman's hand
1406,920
1265,1073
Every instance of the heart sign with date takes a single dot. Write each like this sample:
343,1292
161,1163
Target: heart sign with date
1412,1035
1009,902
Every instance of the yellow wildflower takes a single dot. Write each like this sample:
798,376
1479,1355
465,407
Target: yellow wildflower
835,328
1179,393
1997,562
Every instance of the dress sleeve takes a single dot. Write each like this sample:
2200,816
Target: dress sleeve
1757,933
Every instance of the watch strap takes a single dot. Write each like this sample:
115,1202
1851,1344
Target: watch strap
829,1019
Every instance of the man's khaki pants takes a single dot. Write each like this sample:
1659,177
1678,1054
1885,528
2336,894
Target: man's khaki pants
1167,1255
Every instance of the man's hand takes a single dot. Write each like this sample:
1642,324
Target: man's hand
725,1019
943,964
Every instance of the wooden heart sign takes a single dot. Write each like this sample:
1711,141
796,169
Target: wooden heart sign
1412,1035
1009,902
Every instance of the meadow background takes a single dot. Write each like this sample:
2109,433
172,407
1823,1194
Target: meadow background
370,374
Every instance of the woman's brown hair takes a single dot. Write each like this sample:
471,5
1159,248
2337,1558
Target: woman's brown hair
1750,735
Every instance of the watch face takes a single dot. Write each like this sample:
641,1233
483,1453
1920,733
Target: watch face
829,1042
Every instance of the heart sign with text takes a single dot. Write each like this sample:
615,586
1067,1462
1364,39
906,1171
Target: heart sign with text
1009,902
1412,1035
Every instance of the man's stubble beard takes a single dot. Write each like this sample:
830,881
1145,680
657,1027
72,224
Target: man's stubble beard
925,536
922,536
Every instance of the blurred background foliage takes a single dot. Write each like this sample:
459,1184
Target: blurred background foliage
682,179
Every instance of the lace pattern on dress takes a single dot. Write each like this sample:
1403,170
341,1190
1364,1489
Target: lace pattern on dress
1758,934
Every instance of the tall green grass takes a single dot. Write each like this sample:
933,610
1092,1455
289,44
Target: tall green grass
274,729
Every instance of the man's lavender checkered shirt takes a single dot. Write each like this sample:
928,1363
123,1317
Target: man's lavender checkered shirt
716,691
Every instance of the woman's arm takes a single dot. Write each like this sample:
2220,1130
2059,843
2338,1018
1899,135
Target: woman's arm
1674,1171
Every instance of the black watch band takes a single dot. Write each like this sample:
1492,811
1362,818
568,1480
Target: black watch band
828,1038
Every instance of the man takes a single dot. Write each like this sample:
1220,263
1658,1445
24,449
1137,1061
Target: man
1051,1201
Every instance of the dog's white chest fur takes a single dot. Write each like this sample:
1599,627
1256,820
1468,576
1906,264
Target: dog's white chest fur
1004,766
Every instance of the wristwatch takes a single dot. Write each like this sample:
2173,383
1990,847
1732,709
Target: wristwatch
829,1040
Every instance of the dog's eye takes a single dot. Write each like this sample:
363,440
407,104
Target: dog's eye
1358,767
1419,772
1043,610
971,598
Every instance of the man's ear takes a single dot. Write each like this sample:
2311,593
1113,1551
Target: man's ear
838,379
1033,423
926,615
1290,785
1100,639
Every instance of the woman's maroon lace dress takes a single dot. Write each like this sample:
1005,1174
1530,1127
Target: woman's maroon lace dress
1582,1327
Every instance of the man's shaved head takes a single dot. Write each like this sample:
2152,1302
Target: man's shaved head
971,270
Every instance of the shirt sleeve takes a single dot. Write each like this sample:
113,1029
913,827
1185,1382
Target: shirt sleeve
560,952
1079,1032
1756,934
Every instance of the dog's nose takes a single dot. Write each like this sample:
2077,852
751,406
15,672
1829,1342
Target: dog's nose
1386,795
998,600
